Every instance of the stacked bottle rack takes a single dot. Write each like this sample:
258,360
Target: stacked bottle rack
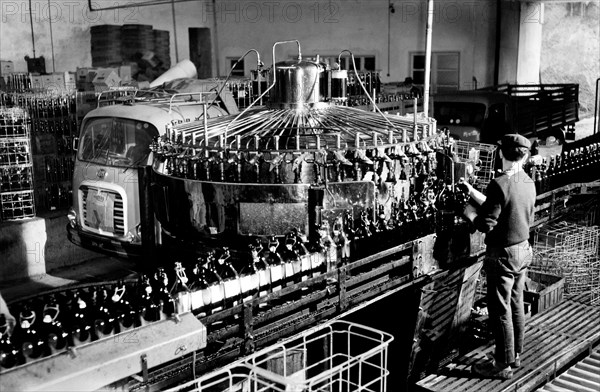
53,125
16,166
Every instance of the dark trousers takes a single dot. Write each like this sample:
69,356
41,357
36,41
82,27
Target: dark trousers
506,269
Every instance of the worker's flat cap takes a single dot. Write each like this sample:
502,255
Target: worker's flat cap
514,140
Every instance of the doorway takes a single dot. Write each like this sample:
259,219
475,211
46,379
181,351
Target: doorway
201,51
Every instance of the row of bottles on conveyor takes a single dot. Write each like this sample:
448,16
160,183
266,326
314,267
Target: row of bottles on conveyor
56,322
17,82
577,165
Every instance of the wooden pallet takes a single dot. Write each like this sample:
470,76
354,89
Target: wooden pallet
582,377
552,340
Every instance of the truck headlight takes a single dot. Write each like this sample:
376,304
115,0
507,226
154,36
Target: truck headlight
135,235
72,216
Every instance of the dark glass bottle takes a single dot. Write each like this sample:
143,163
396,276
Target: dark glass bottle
215,294
104,320
147,308
79,324
250,274
550,175
53,327
162,295
26,336
8,352
125,314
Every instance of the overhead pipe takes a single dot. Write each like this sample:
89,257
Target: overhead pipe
135,5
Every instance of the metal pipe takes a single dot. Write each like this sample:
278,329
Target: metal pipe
174,30
596,114
135,5
217,52
497,42
270,87
51,36
31,21
428,33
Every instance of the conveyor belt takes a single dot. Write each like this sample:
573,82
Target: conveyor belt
582,377
552,340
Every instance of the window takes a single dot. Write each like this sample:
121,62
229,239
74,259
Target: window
238,70
116,141
445,68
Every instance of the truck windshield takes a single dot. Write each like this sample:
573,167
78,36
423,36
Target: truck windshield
459,113
116,141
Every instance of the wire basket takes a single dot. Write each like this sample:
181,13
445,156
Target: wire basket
232,378
338,356
568,237
481,158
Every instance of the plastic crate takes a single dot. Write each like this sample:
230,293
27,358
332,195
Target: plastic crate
550,292
17,205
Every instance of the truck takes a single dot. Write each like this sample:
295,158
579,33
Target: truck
114,142
536,111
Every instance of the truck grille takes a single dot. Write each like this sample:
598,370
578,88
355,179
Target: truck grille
118,208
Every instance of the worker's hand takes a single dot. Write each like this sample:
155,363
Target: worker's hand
470,212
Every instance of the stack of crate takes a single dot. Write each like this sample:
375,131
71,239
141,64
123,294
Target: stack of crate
16,167
570,251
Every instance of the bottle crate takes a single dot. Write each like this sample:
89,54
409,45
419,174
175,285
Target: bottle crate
16,205
15,152
16,178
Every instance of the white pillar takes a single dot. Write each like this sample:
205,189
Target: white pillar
530,42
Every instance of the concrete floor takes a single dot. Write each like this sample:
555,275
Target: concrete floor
65,264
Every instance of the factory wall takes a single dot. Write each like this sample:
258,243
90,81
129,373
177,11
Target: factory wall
71,21
326,27
323,27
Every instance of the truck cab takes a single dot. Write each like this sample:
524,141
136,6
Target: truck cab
485,115
474,116
114,143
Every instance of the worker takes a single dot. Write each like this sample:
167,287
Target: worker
505,214
410,89
10,320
